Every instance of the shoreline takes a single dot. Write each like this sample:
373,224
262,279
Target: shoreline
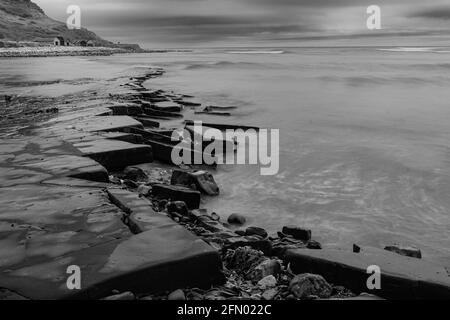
254,265
47,51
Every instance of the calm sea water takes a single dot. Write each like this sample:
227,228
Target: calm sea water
365,133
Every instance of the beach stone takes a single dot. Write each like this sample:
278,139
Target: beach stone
177,193
236,219
269,267
144,190
270,294
405,251
314,245
256,231
305,285
136,174
196,213
297,233
356,248
215,216
121,296
267,282
203,180
178,207
210,224
177,295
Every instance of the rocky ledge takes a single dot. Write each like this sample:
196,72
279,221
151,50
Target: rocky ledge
95,188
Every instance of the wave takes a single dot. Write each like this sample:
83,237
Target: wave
416,49
257,52
221,64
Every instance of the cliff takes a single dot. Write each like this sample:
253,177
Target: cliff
23,20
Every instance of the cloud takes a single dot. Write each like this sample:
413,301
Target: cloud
438,13
193,21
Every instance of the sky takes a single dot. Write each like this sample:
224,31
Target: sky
210,23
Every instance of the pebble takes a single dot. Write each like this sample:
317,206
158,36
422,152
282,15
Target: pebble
270,294
236,219
267,282
312,244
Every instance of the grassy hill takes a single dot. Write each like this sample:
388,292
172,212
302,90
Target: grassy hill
23,20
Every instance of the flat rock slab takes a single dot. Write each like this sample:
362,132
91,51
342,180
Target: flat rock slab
401,277
39,224
115,155
141,216
71,166
107,123
76,115
153,261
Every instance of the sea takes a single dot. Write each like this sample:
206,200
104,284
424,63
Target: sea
364,132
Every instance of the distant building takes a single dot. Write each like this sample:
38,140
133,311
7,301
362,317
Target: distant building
82,43
90,43
59,41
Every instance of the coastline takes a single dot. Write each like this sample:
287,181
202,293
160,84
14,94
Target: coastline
48,51
255,264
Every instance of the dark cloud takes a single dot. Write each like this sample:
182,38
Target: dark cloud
439,13
187,21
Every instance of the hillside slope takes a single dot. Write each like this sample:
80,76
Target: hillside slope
23,20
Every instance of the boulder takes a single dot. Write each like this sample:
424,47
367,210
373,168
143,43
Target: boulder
177,193
236,219
307,284
256,231
177,295
405,251
135,174
203,181
312,244
269,267
297,233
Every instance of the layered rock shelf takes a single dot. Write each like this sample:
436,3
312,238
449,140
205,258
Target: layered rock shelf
95,187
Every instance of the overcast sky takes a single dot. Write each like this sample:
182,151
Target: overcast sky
187,23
